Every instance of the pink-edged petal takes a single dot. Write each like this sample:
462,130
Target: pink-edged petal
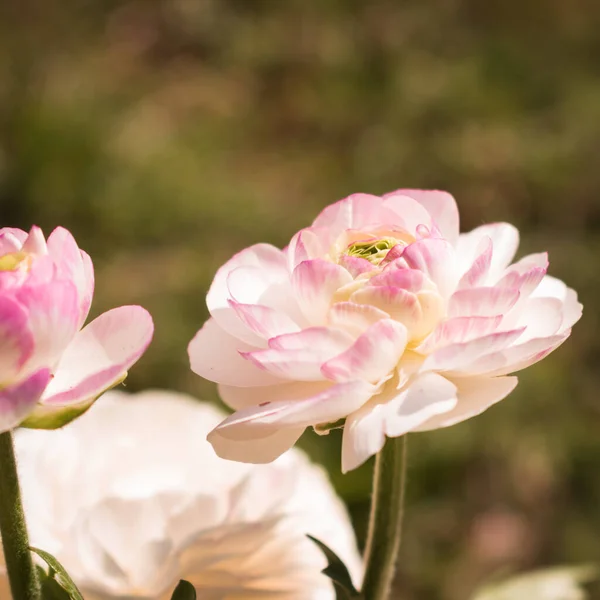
517,357
410,213
475,395
428,395
73,265
299,356
254,446
86,291
373,356
354,318
327,406
306,245
264,321
100,355
435,258
482,302
16,339
244,397
474,267
18,400
457,357
11,239
35,242
442,208
572,310
526,274
215,355
53,318
357,211
505,241
457,330
355,265
314,283
259,267
410,280
364,435
542,317
399,304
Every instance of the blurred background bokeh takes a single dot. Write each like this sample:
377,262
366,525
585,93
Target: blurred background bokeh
167,135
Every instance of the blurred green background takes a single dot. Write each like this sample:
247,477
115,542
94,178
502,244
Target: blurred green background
167,135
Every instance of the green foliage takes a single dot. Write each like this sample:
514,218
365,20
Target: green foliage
57,584
337,571
184,591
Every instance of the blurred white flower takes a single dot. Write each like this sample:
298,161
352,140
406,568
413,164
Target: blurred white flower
131,498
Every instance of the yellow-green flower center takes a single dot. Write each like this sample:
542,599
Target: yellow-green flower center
372,250
9,262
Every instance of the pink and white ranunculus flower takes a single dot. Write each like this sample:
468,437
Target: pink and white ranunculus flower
130,518
51,369
380,316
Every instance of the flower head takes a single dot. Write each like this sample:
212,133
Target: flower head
131,517
52,369
379,317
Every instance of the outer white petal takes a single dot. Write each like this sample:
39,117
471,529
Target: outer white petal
475,395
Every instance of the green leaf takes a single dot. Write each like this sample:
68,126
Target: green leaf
60,576
184,591
559,583
337,571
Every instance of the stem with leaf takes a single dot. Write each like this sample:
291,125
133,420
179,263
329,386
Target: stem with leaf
22,574
385,524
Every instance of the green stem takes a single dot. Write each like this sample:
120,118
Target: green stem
385,524
24,583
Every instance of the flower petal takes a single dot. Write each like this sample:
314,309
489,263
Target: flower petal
215,355
364,436
11,240
261,266
475,269
428,395
505,241
264,321
354,318
53,318
457,330
442,208
314,283
17,401
482,301
328,405
263,448
244,397
74,265
458,357
435,258
410,213
100,355
475,395
373,356
301,355
16,339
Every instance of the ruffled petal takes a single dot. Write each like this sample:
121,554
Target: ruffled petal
100,355
215,355
18,400
16,339
314,283
442,208
475,395
373,356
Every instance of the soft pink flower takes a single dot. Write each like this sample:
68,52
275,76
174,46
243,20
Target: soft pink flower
51,369
379,316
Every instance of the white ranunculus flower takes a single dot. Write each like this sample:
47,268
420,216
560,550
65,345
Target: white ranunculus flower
131,498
